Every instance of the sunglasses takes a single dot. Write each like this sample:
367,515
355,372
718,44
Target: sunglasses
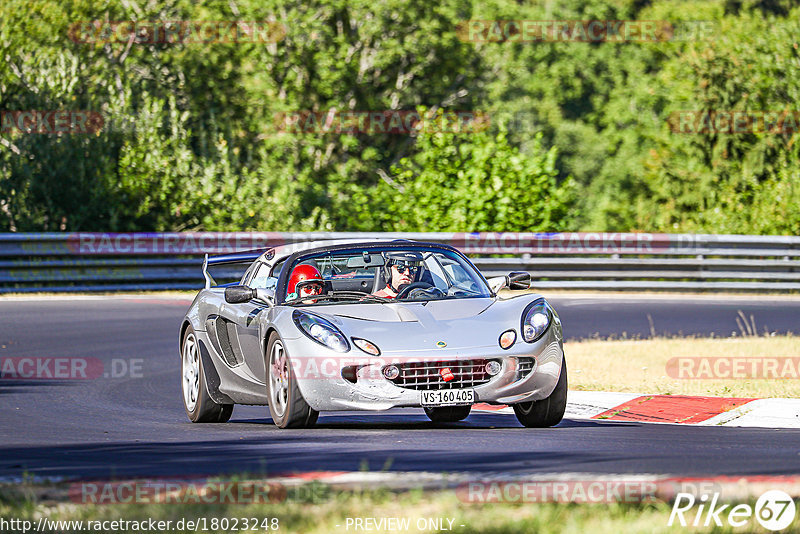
403,267
311,289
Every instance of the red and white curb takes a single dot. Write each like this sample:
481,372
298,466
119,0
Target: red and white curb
676,409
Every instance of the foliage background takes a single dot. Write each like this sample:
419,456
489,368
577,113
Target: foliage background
579,136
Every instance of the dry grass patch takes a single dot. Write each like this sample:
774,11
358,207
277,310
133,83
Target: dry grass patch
640,366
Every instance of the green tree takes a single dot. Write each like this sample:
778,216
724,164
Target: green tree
458,182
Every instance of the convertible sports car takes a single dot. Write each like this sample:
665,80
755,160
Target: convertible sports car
349,325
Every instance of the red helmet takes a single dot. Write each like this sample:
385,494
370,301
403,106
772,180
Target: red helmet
302,273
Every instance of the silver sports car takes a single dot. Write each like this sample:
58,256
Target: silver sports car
349,325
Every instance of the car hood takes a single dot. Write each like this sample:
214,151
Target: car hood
391,312
408,327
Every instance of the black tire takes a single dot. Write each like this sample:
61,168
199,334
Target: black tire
548,411
199,405
448,414
296,413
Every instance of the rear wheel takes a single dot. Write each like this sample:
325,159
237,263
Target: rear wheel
199,405
286,404
548,411
448,414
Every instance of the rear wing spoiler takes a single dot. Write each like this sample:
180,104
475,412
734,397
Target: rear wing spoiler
236,257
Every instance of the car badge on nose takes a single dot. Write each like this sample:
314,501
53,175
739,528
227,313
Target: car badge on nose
441,344
446,374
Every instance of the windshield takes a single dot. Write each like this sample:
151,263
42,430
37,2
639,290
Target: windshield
377,275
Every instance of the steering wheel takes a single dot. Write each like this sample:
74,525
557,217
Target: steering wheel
403,293
431,292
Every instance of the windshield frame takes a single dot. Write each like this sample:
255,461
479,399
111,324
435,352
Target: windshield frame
420,246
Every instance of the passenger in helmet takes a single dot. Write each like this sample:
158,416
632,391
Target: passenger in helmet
305,281
401,268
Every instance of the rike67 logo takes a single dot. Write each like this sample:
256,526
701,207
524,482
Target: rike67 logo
774,510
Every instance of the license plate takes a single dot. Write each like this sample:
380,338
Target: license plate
448,397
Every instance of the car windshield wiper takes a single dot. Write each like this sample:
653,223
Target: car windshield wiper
338,295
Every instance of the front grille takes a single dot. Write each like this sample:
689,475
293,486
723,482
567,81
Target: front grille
524,367
425,375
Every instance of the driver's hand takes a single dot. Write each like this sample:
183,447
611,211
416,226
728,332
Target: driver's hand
429,291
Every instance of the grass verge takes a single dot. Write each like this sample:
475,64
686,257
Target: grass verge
641,366
422,510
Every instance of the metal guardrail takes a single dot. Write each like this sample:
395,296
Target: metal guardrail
587,260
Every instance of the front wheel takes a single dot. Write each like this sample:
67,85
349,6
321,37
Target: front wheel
548,411
286,404
199,405
448,414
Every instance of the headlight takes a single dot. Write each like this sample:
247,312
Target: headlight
535,320
321,331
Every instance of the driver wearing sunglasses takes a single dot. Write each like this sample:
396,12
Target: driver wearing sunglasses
306,281
401,268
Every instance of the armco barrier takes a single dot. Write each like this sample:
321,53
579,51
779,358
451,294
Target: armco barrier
585,260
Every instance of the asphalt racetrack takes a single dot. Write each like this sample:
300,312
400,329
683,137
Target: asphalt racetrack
130,420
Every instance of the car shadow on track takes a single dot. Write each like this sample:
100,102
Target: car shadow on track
414,421
278,453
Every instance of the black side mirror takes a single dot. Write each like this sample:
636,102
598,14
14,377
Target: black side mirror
519,280
239,294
